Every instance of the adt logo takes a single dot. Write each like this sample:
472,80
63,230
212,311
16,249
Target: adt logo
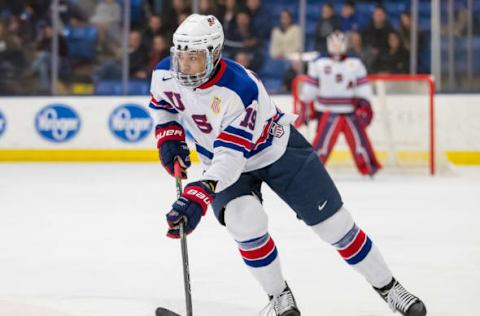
57,123
130,122
3,123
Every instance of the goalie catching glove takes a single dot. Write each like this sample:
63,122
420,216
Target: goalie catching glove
363,112
190,207
172,146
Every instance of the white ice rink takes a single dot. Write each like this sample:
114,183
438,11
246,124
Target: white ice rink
89,240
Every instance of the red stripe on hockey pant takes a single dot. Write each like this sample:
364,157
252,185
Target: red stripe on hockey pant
354,246
169,133
258,252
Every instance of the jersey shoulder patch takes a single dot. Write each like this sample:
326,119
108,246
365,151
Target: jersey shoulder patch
237,79
164,64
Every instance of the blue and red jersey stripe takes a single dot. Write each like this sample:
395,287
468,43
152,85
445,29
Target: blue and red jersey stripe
161,105
362,80
335,101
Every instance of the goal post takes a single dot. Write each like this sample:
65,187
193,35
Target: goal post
403,129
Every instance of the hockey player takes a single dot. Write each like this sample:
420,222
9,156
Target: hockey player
243,140
339,88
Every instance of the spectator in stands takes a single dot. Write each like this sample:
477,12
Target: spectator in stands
396,60
326,24
138,56
20,30
357,49
12,7
405,29
227,15
155,27
289,75
160,50
12,60
107,20
244,39
286,39
348,17
181,17
70,13
172,15
243,59
260,18
36,12
207,7
42,61
375,36
156,6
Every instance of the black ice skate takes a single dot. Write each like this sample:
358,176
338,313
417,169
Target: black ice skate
401,300
284,304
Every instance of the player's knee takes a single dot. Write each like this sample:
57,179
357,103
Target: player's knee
335,227
245,218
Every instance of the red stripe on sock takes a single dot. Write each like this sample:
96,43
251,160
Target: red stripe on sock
258,252
355,246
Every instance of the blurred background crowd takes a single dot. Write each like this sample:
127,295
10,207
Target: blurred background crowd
94,36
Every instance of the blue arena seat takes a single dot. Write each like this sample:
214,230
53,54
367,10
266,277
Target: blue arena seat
115,87
273,85
81,41
274,68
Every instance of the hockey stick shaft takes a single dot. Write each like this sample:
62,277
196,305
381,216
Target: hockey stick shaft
183,243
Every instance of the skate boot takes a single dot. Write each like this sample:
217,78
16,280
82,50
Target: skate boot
284,304
401,300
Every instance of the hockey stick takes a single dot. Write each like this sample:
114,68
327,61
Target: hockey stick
183,242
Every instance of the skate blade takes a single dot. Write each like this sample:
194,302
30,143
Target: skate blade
165,312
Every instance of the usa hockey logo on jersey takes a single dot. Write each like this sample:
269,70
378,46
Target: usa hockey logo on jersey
130,123
57,123
3,123
215,106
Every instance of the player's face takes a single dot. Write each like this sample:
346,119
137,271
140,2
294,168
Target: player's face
191,62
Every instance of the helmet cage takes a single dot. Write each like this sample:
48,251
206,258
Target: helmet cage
212,58
337,43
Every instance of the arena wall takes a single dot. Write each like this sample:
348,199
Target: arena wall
119,128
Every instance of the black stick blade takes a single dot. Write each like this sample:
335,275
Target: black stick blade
165,312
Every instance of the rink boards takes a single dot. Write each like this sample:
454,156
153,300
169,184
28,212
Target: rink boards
96,129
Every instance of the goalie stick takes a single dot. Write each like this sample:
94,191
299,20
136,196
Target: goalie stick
183,242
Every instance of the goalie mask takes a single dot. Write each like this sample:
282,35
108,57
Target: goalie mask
197,49
337,43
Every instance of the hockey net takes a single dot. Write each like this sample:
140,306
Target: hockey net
403,128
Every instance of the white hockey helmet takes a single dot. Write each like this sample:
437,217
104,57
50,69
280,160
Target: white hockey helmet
337,43
198,34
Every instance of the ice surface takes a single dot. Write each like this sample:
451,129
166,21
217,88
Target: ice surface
89,240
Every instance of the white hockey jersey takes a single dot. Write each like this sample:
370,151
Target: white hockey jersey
235,125
333,84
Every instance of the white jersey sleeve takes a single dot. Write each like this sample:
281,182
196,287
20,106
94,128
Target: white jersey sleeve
363,89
